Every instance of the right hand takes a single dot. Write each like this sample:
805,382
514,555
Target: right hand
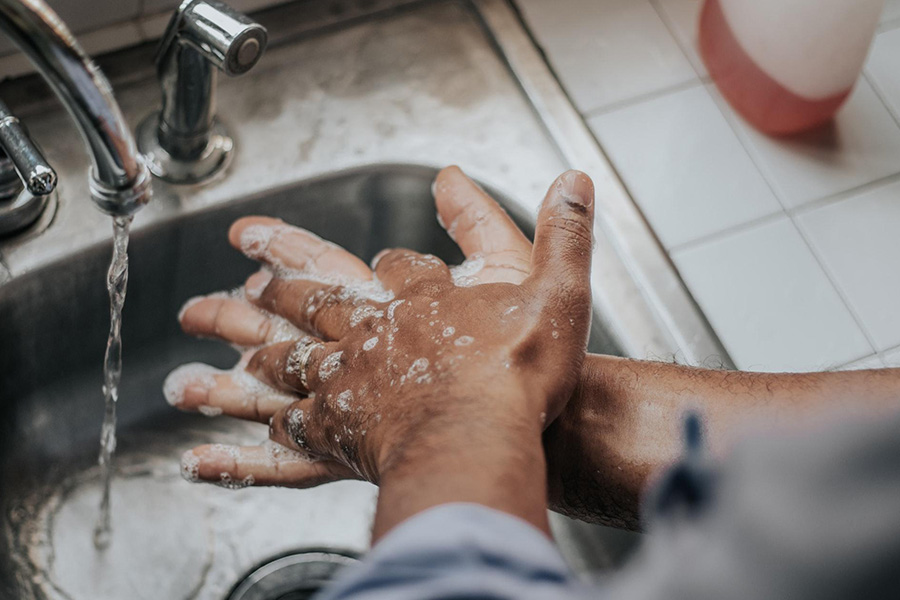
473,218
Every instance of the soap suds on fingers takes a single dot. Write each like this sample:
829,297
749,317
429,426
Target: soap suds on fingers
190,466
178,380
330,365
465,274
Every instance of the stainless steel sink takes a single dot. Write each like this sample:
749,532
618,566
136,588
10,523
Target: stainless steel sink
182,540
339,129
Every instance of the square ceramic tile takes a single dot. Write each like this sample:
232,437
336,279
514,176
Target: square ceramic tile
883,68
683,17
892,358
858,240
684,166
606,51
769,301
861,145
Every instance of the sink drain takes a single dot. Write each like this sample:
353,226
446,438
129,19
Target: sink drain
296,576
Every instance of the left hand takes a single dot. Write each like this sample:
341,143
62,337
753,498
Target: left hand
339,426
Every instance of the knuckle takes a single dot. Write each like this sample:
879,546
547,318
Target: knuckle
390,259
574,229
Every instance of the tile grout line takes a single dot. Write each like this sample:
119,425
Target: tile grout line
845,195
798,211
730,231
837,287
612,107
879,94
884,354
641,98
877,356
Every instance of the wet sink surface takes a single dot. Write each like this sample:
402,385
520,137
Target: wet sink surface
171,539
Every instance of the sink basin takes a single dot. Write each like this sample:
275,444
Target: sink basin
171,539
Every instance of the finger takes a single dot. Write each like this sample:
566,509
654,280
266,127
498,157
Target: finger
233,320
293,428
276,243
294,366
480,226
329,311
269,464
561,259
400,269
201,388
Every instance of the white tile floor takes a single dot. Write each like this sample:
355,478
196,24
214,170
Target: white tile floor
791,248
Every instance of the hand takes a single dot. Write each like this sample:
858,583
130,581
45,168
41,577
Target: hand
520,338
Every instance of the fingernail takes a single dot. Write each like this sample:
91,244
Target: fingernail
190,466
378,257
255,239
576,189
187,305
257,282
189,375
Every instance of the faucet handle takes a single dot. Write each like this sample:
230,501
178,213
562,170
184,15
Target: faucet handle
36,174
227,38
21,164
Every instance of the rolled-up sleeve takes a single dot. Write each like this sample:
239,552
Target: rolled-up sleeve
459,551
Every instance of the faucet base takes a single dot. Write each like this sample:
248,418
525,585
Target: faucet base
214,159
23,211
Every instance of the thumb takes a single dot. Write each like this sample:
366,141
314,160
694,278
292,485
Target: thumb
563,239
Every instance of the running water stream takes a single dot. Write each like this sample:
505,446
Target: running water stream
116,284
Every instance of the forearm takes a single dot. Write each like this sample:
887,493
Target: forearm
623,422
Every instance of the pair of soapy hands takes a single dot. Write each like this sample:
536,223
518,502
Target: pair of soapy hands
412,355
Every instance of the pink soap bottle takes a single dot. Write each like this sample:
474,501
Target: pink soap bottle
786,65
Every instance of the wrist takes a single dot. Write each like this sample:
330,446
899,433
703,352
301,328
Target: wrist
502,411
497,461
590,475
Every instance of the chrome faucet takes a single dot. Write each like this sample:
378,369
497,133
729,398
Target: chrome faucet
26,180
185,142
119,180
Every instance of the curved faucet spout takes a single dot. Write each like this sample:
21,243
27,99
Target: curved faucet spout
119,179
